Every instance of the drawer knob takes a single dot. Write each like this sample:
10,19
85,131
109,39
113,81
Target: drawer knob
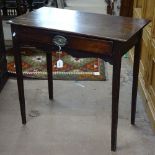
59,40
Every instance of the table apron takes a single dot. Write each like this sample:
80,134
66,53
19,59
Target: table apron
38,37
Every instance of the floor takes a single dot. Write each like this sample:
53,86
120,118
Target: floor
77,121
95,6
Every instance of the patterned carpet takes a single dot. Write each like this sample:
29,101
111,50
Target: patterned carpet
34,66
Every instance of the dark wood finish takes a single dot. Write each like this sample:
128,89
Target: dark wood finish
3,62
78,43
126,8
81,23
49,73
135,78
24,35
115,93
90,45
18,63
107,37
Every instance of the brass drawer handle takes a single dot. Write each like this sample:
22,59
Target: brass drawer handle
59,40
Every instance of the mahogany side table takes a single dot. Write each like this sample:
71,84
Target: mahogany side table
82,35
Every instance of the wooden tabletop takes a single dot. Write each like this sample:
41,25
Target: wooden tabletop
82,23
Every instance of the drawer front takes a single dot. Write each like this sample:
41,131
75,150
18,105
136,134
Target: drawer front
74,42
90,45
26,35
